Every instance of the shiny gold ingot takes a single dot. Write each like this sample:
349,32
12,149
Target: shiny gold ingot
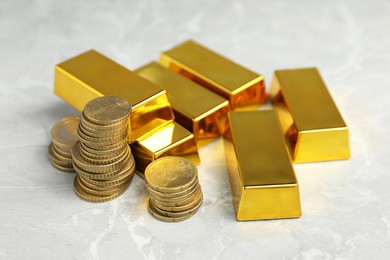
262,178
173,139
235,83
198,109
313,127
91,75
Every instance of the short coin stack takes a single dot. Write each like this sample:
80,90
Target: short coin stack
64,136
103,159
174,190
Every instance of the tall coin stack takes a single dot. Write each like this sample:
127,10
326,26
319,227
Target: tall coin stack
174,190
63,136
102,158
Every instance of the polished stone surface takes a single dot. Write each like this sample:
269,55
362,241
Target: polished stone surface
345,204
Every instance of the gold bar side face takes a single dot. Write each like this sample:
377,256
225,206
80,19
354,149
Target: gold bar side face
172,140
198,109
235,83
313,127
90,75
262,178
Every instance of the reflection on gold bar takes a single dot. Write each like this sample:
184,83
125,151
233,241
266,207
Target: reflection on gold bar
235,83
91,75
313,127
173,140
262,178
196,108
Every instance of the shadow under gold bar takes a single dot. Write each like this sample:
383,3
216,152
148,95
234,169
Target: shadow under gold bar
313,127
198,109
262,178
235,83
173,140
91,75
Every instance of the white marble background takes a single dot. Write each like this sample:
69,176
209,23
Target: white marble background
346,204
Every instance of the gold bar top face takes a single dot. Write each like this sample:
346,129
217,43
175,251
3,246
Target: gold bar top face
313,127
90,75
235,83
262,178
198,109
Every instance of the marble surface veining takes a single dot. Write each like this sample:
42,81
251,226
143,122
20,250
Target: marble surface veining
345,204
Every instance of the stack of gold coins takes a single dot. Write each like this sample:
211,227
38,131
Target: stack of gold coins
174,190
64,136
103,159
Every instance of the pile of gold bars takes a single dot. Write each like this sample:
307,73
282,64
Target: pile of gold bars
193,95
173,186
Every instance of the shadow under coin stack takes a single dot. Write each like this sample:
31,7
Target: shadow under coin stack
103,159
174,190
64,136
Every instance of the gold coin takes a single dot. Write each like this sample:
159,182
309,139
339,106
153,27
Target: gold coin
62,168
181,208
53,154
177,203
57,150
104,159
167,196
101,140
170,174
158,216
107,110
97,130
105,152
126,174
103,147
103,188
100,170
112,191
92,198
64,132
176,214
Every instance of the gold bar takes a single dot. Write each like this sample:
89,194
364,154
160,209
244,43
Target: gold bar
198,109
262,178
172,139
235,83
91,75
313,127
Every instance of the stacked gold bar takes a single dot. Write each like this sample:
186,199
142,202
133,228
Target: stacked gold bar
196,108
235,83
90,75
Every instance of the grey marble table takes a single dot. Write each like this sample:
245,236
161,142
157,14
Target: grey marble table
346,204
